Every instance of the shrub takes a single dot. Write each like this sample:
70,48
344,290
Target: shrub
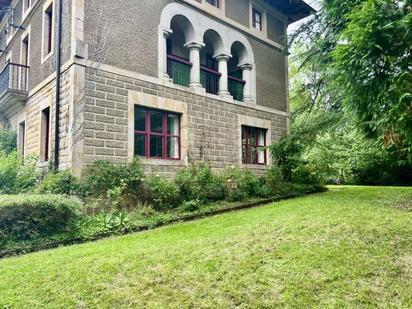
8,142
58,183
24,217
17,176
240,184
191,206
121,184
162,194
200,183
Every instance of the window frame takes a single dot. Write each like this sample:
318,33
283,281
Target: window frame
45,53
45,134
217,4
257,12
246,145
27,5
164,135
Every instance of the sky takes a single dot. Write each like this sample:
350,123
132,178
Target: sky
315,4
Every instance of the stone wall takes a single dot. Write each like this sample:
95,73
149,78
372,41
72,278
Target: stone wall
213,125
31,114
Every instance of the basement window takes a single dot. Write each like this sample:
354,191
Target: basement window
156,134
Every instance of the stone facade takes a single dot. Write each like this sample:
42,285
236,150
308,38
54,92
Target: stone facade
213,125
100,87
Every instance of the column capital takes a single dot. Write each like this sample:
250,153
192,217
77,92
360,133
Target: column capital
246,66
194,45
222,57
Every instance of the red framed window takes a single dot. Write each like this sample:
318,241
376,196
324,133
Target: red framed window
257,19
156,134
254,145
215,3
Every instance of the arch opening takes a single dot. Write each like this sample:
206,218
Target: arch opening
209,70
178,64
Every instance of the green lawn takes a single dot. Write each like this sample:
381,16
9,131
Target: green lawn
350,247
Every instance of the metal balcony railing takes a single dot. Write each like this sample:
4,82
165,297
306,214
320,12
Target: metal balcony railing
178,70
14,77
236,86
209,79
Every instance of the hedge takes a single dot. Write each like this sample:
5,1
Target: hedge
25,216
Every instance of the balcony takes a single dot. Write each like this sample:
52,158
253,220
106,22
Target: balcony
13,86
179,68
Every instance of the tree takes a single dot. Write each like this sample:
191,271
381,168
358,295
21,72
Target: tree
361,52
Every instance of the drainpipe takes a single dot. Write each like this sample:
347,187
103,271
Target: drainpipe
58,73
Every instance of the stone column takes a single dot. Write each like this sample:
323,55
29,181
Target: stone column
166,35
247,77
223,81
194,51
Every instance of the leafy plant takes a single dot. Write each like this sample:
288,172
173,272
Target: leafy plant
58,183
199,182
17,176
8,142
162,194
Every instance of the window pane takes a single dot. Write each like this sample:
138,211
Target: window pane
140,119
140,145
244,160
251,155
173,147
244,135
261,156
252,137
156,146
173,124
156,121
261,138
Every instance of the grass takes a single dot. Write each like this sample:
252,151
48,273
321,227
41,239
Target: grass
350,247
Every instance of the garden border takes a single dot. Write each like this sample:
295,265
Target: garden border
185,218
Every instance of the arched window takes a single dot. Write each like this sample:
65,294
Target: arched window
178,64
209,70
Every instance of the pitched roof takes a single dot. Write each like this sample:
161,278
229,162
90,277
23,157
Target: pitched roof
294,9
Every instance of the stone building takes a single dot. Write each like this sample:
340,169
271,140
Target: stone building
170,81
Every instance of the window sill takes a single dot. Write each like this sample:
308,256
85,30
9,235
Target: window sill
162,162
47,57
256,166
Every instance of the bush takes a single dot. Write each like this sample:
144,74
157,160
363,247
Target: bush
8,142
200,183
58,183
17,176
191,206
240,184
121,184
24,217
162,194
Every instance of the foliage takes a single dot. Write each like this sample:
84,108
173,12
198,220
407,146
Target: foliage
162,194
28,216
8,141
191,206
17,176
199,182
357,54
240,184
120,183
58,183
